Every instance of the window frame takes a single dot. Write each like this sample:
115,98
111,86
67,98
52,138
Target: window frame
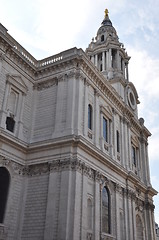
108,214
90,117
118,141
4,198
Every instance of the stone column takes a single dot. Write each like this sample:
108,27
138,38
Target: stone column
96,60
103,60
122,147
2,57
83,221
143,156
133,215
96,118
3,113
52,210
118,61
85,112
123,68
130,217
147,163
127,72
117,201
107,60
126,216
79,198
110,58
92,59
20,116
97,206
129,147
34,104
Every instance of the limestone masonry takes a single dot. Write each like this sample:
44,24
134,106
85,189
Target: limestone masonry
73,154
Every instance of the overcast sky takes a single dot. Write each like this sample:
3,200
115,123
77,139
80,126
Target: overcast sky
48,27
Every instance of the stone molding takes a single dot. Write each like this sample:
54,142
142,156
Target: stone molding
74,165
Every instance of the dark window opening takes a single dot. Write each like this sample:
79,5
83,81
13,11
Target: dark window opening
105,210
90,116
102,38
10,122
105,129
134,155
4,187
114,58
118,141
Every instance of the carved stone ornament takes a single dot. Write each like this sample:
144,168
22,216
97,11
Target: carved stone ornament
89,236
89,172
149,206
139,205
46,84
66,164
2,56
15,167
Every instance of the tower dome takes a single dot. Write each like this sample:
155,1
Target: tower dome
107,53
106,32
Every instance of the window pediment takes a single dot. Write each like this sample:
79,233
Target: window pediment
106,111
17,82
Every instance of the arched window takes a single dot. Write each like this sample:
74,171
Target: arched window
105,210
4,187
139,228
102,38
90,116
89,213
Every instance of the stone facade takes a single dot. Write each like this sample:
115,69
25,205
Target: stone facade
73,153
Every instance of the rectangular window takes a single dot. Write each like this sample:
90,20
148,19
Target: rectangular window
134,155
105,129
118,141
90,116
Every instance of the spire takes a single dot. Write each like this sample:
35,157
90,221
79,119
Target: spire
106,21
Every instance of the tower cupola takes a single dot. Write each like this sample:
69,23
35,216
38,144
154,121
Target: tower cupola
107,53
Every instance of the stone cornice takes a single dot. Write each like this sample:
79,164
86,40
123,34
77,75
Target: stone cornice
73,57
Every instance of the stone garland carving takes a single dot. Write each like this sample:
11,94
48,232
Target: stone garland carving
46,84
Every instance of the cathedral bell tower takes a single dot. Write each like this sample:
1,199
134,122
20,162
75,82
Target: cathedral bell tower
111,59
107,53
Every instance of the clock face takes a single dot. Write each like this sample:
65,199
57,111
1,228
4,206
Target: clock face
131,99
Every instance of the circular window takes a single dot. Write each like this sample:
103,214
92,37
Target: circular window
131,99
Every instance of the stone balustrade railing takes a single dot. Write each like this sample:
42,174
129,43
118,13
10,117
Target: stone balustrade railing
44,62
17,48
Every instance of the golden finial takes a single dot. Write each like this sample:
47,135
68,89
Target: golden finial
106,12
